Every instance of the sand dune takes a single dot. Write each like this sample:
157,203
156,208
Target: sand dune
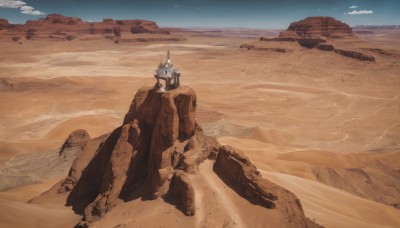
324,126
15,212
334,208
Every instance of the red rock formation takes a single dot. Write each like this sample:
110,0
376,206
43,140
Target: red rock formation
167,118
3,24
77,138
85,151
151,155
313,31
252,47
392,53
318,27
59,27
82,160
281,39
356,55
325,47
310,42
240,174
158,136
181,193
56,19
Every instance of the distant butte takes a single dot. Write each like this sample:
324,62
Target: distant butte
3,24
315,32
318,27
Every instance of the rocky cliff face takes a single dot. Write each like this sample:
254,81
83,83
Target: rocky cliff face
159,136
59,27
152,155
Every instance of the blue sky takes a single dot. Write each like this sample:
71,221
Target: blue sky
210,13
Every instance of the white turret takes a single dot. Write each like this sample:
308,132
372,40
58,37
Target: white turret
166,72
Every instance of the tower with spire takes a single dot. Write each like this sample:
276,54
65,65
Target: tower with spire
168,73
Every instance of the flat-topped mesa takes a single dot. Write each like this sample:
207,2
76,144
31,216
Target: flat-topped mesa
61,19
318,27
59,27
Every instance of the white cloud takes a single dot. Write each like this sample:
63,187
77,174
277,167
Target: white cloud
14,4
21,5
353,7
360,12
30,10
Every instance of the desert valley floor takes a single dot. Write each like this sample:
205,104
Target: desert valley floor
324,126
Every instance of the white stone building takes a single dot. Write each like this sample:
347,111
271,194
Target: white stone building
168,73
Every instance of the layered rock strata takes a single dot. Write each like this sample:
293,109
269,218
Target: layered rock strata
59,27
312,31
318,27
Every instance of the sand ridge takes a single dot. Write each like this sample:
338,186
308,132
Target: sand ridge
295,114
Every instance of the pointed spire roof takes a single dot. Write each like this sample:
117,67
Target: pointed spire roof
168,57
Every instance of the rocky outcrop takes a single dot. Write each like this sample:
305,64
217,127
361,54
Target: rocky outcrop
181,193
153,154
391,53
98,189
313,31
118,27
78,138
56,19
280,39
319,33
84,152
240,174
159,135
325,47
59,27
318,28
247,46
4,24
252,47
356,55
82,160
310,42
167,120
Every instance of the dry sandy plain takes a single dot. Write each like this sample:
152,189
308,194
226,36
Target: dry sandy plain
324,126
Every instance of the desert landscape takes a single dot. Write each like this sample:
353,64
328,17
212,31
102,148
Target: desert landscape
314,110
